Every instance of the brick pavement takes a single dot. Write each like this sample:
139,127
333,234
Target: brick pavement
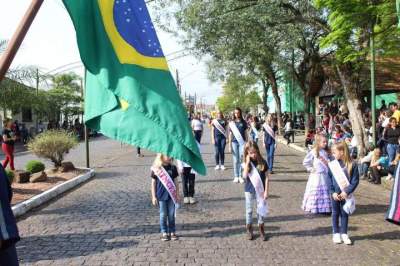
110,221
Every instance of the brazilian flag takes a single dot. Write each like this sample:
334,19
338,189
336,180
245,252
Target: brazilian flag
130,93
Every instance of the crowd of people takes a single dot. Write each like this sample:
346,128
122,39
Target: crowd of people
331,161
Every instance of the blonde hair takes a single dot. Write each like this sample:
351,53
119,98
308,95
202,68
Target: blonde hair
375,156
342,146
158,161
260,161
318,139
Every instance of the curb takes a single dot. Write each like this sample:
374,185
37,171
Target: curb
293,146
27,205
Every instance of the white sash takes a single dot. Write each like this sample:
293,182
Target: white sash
339,175
269,130
219,127
236,133
168,183
255,179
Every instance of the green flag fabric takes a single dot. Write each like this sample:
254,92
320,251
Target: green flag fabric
398,10
130,93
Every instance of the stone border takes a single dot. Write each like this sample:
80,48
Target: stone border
293,146
27,205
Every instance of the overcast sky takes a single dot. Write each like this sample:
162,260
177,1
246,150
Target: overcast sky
51,43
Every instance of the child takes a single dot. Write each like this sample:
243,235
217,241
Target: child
379,166
309,138
316,197
165,193
255,189
188,181
341,153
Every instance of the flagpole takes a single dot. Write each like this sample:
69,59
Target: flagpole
18,37
86,131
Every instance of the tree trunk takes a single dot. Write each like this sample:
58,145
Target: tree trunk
353,102
278,104
307,103
265,96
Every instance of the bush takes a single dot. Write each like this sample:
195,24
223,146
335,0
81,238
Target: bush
10,176
53,145
34,167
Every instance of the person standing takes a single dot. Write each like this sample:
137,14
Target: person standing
197,127
395,110
188,182
218,138
393,213
254,127
237,139
391,135
8,144
270,129
9,235
289,133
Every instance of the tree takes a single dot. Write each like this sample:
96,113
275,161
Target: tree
239,91
352,24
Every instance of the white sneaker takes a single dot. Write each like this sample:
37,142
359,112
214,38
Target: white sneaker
337,239
241,180
186,200
192,200
236,180
222,167
346,239
217,167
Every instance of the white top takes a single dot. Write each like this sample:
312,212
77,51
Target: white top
197,124
288,126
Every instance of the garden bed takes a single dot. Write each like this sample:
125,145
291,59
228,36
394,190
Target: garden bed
25,191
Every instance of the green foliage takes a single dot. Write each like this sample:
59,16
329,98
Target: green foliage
53,145
34,167
10,176
239,91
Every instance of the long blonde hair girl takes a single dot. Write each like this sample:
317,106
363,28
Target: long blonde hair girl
317,140
158,161
251,145
348,162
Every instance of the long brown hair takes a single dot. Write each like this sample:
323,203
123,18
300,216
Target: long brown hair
251,145
348,162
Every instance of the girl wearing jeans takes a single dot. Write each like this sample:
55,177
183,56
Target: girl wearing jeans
161,197
253,157
235,147
219,141
341,153
391,135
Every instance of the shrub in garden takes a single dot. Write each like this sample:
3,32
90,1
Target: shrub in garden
10,176
34,167
53,145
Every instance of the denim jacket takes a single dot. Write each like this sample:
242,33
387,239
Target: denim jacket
353,180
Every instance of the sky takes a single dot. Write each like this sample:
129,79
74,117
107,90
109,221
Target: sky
51,43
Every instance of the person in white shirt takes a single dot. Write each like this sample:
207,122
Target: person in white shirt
197,127
289,131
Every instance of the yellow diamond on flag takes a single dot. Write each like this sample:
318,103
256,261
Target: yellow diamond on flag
124,104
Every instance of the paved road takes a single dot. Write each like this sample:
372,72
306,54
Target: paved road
110,221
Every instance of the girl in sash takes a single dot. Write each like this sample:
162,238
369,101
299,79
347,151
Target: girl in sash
316,197
350,169
165,194
254,127
218,138
270,129
237,140
393,214
254,159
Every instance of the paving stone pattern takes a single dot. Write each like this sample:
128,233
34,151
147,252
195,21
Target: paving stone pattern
110,221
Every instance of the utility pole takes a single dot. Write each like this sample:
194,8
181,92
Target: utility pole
178,83
18,37
37,95
292,88
373,98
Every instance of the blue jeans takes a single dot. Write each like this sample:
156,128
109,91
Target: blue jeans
167,212
338,212
363,169
250,200
220,143
391,150
9,256
237,152
270,148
